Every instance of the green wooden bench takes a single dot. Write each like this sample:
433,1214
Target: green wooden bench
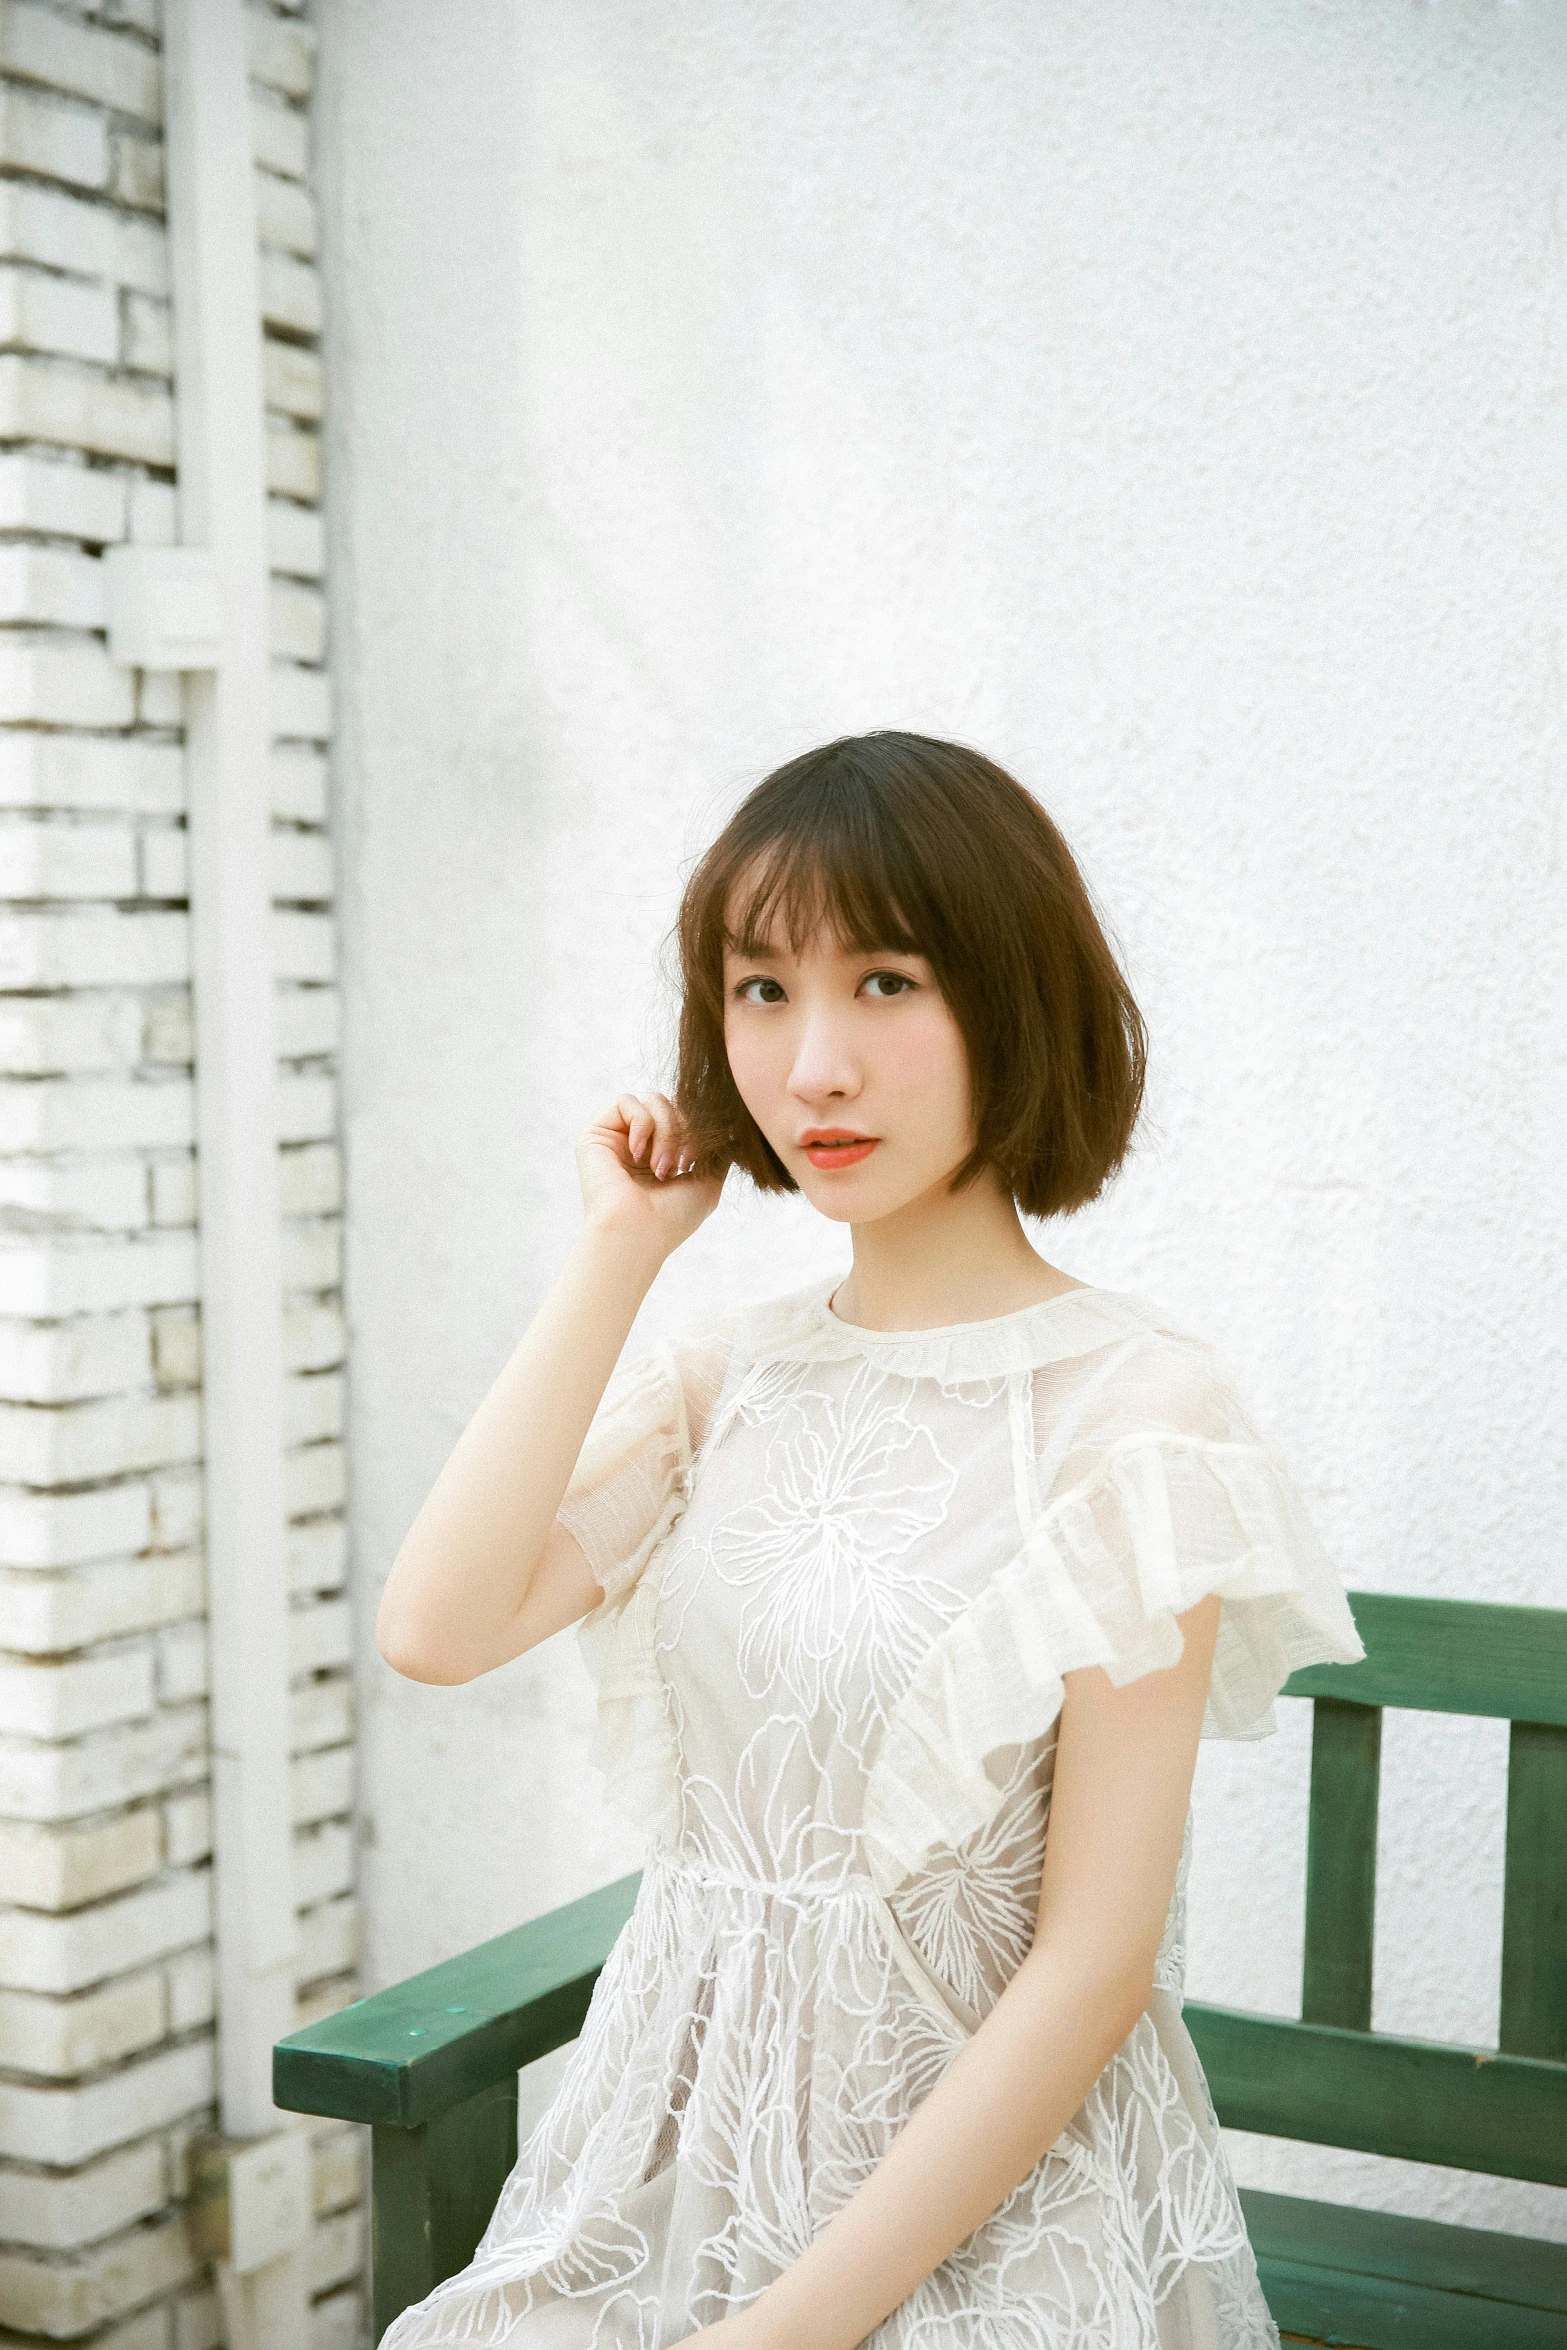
432,2064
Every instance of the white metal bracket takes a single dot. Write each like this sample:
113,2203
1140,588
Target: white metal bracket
266,2308
249,2211
163,607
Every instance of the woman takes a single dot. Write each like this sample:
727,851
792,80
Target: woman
909,1597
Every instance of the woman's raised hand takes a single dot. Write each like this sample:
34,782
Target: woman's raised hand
486,1571
634,1164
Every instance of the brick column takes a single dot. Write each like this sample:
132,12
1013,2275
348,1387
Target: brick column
106,1978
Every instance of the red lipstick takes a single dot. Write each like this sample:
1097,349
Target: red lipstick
836,1146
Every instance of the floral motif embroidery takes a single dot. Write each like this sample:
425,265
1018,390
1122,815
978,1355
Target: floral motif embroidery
837,1612
629,2322
971,1912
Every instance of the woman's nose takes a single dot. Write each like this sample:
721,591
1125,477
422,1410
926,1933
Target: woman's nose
823,1065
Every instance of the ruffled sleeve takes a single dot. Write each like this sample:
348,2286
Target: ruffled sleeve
1159,1521
627,1494
631,1477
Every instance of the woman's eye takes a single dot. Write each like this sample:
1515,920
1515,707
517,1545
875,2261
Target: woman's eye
760,991
888,983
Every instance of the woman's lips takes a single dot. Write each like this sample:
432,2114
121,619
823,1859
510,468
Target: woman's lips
829,1147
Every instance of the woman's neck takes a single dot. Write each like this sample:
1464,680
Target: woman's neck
947,1257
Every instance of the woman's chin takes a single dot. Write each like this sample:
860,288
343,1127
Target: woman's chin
852,1198
837,1211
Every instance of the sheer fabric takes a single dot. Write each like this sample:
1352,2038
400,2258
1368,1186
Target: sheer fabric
844,1573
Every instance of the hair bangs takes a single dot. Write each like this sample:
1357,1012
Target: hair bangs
830,872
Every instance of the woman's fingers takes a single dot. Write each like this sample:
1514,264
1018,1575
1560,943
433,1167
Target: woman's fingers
682,1155
631,1162
654,1134
666,1128
637,1119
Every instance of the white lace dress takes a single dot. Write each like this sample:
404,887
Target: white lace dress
845,1571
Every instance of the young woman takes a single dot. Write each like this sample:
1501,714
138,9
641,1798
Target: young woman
908,1599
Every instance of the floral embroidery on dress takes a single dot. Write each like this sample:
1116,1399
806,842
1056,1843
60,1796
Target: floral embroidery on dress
836,1610
971,1912
830,1661
629,2322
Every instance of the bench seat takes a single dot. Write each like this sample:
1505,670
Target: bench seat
1335,2273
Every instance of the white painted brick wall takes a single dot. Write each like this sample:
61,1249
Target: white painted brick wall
112,69
290,293
60,1868
108,1194
69,232
74,407
66,2037
66,1781
70,772
66,680
100,2283
293,461
56,1362
70,1529
148,333
107,1979
46,1615
43,313
136,169
280,136
51,948
62,143
43,1036
43,860
296,545
307,1021
51,585
68,2125
86,1946
59,2211
67,501
286,214
304,946
153,513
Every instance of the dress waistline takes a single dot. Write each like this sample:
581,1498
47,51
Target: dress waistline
854,1889
808,1890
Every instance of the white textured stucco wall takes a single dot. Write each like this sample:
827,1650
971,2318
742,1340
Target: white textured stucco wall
1169,399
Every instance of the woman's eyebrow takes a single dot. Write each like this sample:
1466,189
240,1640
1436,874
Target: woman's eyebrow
871,954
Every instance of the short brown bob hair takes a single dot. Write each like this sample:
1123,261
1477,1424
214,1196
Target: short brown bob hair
904,842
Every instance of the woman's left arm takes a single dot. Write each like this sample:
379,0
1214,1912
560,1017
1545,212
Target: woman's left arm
1123,1775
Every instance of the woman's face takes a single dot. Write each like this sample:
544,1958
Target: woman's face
854,1069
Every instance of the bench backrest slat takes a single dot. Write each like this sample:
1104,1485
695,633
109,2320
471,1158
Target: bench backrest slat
1341,1863
1534,1902
1450,1656
1381,2094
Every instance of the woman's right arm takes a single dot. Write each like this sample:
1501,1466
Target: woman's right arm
484,1571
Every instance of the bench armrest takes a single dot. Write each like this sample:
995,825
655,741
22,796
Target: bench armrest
405,2055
